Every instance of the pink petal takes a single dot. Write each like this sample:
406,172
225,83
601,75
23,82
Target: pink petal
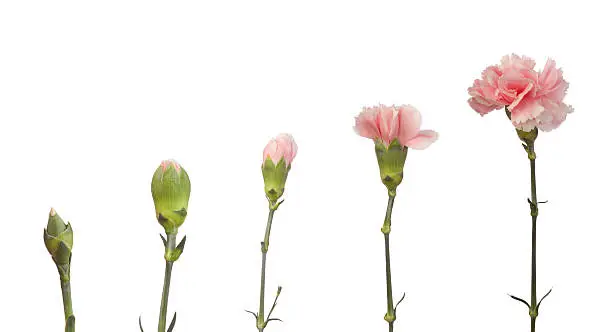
365,124
385,121
409,123
423,139
482,106
271,150
523,115
553,116
287,146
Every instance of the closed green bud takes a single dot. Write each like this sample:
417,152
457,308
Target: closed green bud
58,238
391,160
170,188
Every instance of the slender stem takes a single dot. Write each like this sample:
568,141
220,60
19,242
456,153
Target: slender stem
163,310
386,229
64,272
262,287
67,298
389,286
534,216
261,323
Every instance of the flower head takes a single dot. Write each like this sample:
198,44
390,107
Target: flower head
394,130
170,188
277,158
388,123
534,99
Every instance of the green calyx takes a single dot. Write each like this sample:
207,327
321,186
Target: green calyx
528,137
275,177
170,188
58,238
391,160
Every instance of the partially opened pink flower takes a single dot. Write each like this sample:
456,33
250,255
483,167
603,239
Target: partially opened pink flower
283,146
277,158
387,123
534,99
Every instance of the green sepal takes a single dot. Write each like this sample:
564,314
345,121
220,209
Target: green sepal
173,255
391,160
62,255
70,322
275,177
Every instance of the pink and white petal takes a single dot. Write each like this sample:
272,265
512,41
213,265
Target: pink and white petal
423,140
482,106
294,150
522,116
285,146
365,124
385,120
553,116
549,75
394,127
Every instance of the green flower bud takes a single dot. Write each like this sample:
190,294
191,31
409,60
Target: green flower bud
170,188
391,160
58,238
275,176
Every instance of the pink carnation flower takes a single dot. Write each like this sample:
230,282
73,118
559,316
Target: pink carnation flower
283,146
534,99
387,123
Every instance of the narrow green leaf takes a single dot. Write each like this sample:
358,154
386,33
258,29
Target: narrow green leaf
520,300
171,327
542,299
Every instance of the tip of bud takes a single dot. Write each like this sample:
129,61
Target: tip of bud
52,213
170,162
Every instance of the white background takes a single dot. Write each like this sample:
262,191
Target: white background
93,95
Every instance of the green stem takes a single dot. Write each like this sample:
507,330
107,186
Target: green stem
386,229
534,216
67,298
261,323
163,310
64,272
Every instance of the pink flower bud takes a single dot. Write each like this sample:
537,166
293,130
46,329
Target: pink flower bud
277,158
283,146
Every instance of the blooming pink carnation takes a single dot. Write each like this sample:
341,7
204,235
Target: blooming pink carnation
283,146
387,123
534,99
